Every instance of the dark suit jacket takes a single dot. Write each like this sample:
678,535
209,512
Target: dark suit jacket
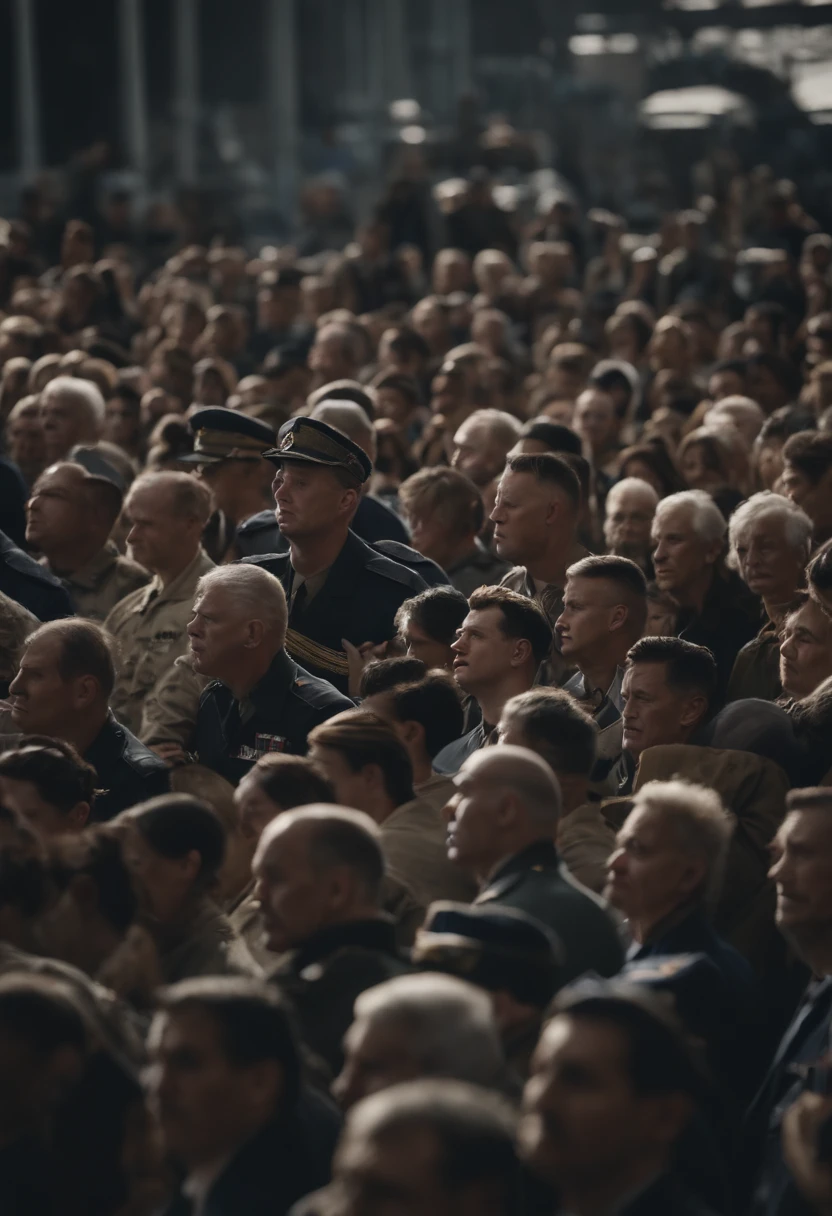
25,580
285,1161
536,882
128,772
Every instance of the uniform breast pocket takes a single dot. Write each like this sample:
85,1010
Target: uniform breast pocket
155,655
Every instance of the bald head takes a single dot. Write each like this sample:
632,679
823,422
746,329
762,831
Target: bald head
524,773
317,866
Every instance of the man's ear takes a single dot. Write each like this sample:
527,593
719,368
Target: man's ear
255,631
694,709
86,690
713,552
521,652
413,733
77,817
619,616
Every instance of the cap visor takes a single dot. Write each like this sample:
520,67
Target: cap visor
199,458
277,457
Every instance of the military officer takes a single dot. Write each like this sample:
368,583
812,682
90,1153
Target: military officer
228,453
166,512
69,518
338,588
260,701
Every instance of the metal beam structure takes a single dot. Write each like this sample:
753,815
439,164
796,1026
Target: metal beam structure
186,89
28,110
133,92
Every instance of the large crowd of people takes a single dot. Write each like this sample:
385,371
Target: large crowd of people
416,720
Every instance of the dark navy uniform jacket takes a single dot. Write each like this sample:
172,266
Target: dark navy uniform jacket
260,535
26,581
359,601
277,716
128,772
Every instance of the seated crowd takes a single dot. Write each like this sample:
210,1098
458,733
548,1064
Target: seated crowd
416,726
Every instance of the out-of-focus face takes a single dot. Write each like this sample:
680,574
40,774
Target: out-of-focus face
398,1174
58,512
484,655
155,534
595,420
451,272
472,816
27,446
766,389
668,349
802,873
121,423
422,646
447,394
590,610
42,702
561,411
255,809
805,650
64,425
351,789
769,458
24,799
392,404
628,521
478,453
695,467
430,322
814,497
649,874
377,1054
769,565
643,471
163,883
661,619
725,384
217,634
329,357
201,1099
293,894
309,499
430,534
653,711
521,510
582,1118
680,556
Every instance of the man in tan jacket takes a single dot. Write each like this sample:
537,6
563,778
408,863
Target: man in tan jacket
167,512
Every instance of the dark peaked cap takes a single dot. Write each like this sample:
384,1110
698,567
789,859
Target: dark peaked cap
221,434
308,441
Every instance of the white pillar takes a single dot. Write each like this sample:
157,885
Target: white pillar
28,116
186,89
283,102
133,93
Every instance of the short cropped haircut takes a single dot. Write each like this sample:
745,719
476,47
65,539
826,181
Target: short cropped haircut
625,575
438,612
252,1018
384,674
254,591
814,798
474,1130
290,781
190,498
62,779
96,854
85,651
659,1058
552,470
449,493
84,395
435,703
700,822
174,825
810,452
558,438
689,668
362,739
521,617
555,726
339,836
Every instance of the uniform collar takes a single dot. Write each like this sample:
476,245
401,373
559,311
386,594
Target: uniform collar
182,587
376,934
90,576
540,855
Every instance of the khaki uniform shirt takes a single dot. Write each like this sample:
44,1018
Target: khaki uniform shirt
438,790
149,629
97,587
412,840
585,842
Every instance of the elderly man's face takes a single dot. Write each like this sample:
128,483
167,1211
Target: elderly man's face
680,557
57,513
63,425
472,817
649,873
628,522
398,1174
595,419
296,897
330,356
478,453
43,703
805,651
769,565
217,634
377,1054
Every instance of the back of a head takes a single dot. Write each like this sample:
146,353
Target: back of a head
290,781
174,825
348,418
435,703
95,857
42,1013
552,471
474,1132
439,612
363,739
335,836
626,580
56,770
82,395
449,1023
810,452
386,674
558,438
551,723
689,668
343,390
446,492
526,776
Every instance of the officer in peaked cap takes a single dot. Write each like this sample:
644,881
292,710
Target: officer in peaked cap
509,954
228,451
338,588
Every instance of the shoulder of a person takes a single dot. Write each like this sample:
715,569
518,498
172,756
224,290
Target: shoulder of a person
125,607
515,578
312,690
390,571
275,563
137,755
130,569
263,521
349,965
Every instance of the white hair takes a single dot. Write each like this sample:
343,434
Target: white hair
796,523
256,594
502,426
700,822
632,485
708,521
450,1024
82,393
734,409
